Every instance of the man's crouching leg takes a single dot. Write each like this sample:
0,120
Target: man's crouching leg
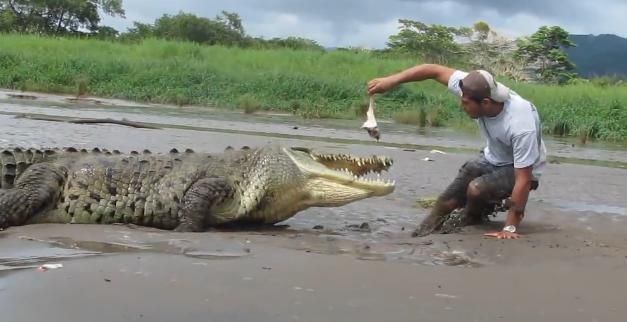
484,190
453,197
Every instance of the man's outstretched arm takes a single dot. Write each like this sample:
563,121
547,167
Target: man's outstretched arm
420,72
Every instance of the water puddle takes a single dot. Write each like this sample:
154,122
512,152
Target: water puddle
190,248
590,207
389,250
27,252
216,254
426,256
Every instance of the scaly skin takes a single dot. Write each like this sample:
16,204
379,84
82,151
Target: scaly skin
180,191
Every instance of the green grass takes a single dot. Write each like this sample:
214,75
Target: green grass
599,111
308,83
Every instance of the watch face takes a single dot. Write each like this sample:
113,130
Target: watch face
510,228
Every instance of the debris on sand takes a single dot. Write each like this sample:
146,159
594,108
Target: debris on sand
426,202
22,96
82,99
447,296
364,227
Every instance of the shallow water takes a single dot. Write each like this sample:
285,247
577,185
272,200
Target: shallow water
351,263
282,125
377,221
591,207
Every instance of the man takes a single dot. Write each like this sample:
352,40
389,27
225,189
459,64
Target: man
510,163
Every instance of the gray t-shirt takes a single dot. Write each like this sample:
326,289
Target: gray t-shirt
514,136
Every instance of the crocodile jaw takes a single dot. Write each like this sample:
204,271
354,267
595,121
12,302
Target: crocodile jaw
338,179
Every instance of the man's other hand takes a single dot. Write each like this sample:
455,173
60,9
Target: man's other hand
503,235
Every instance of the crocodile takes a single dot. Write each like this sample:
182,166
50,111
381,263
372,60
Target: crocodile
184,191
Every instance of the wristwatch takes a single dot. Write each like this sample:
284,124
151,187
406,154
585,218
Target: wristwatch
510,228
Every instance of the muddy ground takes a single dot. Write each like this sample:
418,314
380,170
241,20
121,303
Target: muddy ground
353,263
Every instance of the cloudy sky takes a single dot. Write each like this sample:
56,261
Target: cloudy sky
369,23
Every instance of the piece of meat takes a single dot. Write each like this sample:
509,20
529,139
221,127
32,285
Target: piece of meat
371,123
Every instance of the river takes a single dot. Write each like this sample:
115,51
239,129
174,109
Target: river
580,208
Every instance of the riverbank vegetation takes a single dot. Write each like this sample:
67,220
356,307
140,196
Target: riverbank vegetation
216,64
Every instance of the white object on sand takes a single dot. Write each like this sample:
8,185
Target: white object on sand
52,266
371,123
46,267
448,296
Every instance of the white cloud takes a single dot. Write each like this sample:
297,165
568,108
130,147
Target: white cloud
279,24
369,23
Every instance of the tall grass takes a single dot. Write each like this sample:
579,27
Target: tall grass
308,83
582,109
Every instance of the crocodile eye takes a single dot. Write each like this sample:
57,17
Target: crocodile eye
297,148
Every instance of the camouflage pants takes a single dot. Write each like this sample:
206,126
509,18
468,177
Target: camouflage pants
495,182
492,183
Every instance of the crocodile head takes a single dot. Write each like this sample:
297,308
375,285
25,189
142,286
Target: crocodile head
276,182
297,178
336,179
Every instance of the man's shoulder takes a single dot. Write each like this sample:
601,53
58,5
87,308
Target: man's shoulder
517,99
523,116
520,107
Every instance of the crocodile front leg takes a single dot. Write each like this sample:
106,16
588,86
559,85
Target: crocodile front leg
37,189
198,201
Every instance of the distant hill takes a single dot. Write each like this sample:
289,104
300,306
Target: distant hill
599,55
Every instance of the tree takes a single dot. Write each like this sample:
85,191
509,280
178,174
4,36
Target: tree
137,32
481,36
289,42
433,43
7,19
56,16
224,30
232,21
486,49
543,52
105,32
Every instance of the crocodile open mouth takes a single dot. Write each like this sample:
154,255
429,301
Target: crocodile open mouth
360,171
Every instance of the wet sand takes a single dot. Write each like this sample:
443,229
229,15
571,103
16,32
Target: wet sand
569,266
